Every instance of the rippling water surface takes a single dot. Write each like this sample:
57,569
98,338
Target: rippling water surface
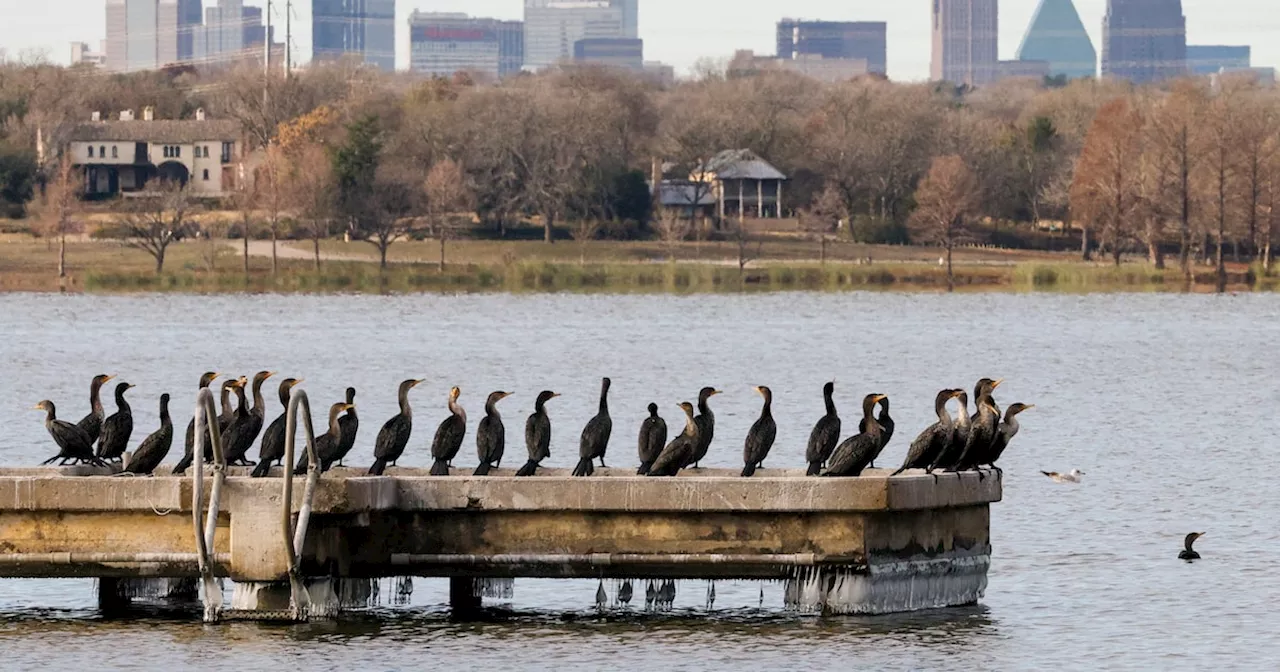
1166,402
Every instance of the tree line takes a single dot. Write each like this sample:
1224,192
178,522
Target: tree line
1186,169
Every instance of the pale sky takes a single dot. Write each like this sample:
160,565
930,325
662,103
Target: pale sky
679,32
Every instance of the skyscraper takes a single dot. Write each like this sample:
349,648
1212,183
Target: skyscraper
141,34
362,28
835,40
1144,40
552,27
1207,59
965,41
445,43
190,16
1057,35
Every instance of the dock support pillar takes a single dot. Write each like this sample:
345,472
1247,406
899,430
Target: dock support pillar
464,599
111,596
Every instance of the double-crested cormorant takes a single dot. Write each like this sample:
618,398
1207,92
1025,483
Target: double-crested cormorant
327,443
224,419
73,443
350,423
449,436
949,455
491,435
155,447
595,436
985,386
1005,433
1189,553
680,451
190,442
244,430
886,429
91,424
116,429
394,435
929,445
825,434
706,426
238,421
537,434
982,432
760,438
227,414
852,456
653,437
271,450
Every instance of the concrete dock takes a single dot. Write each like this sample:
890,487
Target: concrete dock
843,545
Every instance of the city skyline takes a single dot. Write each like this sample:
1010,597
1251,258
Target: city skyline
702,30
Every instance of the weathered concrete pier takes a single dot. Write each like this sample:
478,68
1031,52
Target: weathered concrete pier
845,545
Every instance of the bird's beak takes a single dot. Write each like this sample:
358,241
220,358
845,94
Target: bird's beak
717,392
1027,408
507,394
554,395
758,389
130,387
269,374
215,375
419,382
347,407
997,383
298,382
109,379
37,407
880,398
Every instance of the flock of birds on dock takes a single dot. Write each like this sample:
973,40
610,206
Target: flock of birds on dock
952,444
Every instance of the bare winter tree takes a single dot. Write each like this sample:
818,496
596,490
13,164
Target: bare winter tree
672,230
309,191
153,222
446,193
1106,185
945,201
1220,172
271,191
823,217
584,231
64,207
393,201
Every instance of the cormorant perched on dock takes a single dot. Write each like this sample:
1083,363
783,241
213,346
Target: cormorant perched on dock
449,436
393,438
327,443
350,422
932,441
491,435
240,421
271,450
985,386
680,450
537,434
1005,433
653,437
116,429
949,455
886,429
155,447
595,436
1188,553
852,456
706,427
91,424
825,434
244,431
226,414
760,438
73,443
982,432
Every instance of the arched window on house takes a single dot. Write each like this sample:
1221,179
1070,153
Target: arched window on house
91,151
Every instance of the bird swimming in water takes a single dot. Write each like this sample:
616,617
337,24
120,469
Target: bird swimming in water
680,450
449,436
350,422
825,434
205,380
886,429
116,429
91,424
925,449
1188,553
393,438
155,447
1004,433
244,431
326,444
271,450
706,420
537,434
852,456
73,444
761,436
1072,476
595,436
653,437
491,435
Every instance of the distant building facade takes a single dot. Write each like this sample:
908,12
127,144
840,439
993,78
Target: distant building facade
614,52
1144,41
1204,59
233,33
965,41
364,29
746,63
1058,36
442,44
81,54
1022,69
848,40
141,34
553,27
190,17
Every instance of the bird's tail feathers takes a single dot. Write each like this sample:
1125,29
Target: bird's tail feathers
440,468
899,471
815,469
263,468
644,468
529,469
379,466
482,470
584,468
749,470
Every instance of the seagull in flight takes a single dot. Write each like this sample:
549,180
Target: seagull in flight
1072,476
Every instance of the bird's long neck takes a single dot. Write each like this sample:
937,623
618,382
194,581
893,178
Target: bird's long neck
241,407
831,403
962,418
767,411
869,416
351,400
284,396
95,398
940,407
165,420
121,403
334,428
491,408
604,400
540,407
703,408
405,410
1011,424
226,400
50,415
257,395
690,427
457,410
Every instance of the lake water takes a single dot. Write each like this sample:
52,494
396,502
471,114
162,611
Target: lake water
1166,402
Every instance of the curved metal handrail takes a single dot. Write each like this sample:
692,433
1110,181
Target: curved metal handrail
205,421
296,536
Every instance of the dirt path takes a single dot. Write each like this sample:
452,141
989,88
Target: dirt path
286,250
